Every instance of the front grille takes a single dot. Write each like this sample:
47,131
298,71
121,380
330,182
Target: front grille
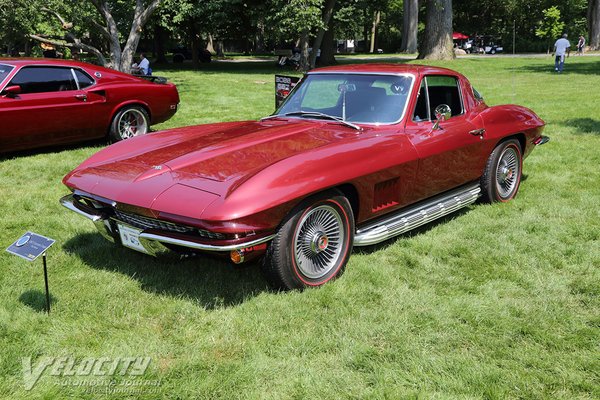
142,222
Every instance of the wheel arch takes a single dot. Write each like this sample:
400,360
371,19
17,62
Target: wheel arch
350,192
520,136
130,103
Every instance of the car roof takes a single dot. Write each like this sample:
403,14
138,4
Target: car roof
386,68
46,61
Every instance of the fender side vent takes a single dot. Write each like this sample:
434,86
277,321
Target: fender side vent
386,194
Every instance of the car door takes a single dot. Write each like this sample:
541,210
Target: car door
50,109
450,154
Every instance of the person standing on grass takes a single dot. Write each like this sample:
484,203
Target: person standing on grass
561,47
580,45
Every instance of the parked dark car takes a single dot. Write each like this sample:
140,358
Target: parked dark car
181,53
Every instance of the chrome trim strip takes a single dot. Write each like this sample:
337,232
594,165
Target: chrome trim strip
151,237
104,200
149,240
413,217
71,203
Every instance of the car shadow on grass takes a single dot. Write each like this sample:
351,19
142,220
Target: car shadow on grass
414,232
209,281
54,149
584,126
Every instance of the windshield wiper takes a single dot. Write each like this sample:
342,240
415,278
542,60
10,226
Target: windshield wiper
315,114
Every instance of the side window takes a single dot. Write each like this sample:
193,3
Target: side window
44,79
83,79
421,109
444,90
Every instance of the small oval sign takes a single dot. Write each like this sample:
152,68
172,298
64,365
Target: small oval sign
23,240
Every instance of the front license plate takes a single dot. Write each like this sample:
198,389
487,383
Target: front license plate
130,237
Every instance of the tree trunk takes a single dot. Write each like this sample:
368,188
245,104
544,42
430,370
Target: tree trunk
593,14
159,44
260,36
376,19
327,15
410,26
304,61
140,17
195,40
437,42
220,51
210,44
328,47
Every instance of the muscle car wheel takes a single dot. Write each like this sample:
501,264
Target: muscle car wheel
502,176
130,121
313,245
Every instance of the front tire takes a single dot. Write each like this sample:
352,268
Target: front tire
313,244
502,177
130,121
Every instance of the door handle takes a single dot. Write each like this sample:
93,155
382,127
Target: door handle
81,97
478,132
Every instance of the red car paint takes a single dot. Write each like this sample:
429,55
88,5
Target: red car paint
42,119
242,178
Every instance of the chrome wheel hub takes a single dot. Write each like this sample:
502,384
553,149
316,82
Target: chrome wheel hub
318,242
132,123
508,171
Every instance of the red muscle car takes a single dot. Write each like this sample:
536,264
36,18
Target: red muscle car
48,102
354,156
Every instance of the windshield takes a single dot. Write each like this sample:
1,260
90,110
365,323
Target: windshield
358,98
4,71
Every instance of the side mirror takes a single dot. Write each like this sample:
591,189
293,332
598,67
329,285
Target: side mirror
442,113
11,91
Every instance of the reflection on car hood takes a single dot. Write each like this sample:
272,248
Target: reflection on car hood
208,157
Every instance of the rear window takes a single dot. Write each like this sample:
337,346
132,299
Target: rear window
4,71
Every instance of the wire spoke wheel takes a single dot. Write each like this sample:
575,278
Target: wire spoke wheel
318,243
507,172
132,123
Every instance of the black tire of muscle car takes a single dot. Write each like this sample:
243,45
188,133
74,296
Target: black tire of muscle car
502,176
138,113
313,244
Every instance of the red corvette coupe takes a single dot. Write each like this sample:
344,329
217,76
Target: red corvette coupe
47,102
354,156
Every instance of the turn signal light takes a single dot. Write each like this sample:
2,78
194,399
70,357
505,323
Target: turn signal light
237,256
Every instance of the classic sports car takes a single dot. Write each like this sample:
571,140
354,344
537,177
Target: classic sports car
47,102
355,155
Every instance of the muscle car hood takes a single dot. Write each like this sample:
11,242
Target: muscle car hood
212,157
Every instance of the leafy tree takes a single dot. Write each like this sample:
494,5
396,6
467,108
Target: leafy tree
110,21
551,27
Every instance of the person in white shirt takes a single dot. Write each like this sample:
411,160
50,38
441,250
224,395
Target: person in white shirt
143,68
561,47
144,64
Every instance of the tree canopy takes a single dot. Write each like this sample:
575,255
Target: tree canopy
116,29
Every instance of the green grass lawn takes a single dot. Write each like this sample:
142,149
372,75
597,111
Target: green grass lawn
497,301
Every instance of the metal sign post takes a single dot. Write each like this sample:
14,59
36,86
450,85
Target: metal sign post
30,246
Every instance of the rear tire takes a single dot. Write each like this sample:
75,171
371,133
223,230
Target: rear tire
313,244
502,176
128,122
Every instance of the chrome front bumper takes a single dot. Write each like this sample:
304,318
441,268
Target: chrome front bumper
153,243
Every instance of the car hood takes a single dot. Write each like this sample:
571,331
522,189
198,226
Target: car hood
213,158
